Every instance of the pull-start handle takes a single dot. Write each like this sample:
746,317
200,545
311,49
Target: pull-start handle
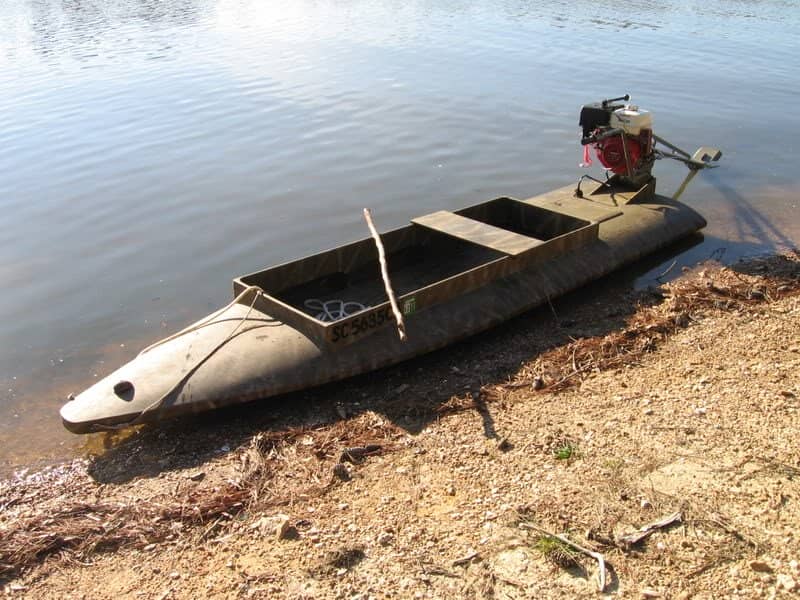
608,101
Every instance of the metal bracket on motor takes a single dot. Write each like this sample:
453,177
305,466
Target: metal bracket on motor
701,159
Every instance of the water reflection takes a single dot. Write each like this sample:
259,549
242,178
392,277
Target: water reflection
755,226
83,30
742,225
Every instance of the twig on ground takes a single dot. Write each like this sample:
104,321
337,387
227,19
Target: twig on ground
720,522
518,584
465,559
669,268
601,563
631,539
783,467
437,570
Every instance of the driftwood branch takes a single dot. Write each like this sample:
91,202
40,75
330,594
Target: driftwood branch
633,538
601,563
401,326
469,557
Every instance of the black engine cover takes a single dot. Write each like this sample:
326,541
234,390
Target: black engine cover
594,115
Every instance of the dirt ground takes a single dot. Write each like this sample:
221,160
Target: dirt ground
452,476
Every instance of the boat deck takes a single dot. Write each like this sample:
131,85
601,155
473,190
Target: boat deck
338,295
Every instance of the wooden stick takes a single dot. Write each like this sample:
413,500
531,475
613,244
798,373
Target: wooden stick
401,326
601,563
630,539
465,559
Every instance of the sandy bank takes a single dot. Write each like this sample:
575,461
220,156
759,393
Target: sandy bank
436,479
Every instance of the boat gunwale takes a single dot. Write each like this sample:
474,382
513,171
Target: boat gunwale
351,328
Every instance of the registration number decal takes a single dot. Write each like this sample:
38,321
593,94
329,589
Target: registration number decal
360,324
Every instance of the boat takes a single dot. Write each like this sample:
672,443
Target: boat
450,275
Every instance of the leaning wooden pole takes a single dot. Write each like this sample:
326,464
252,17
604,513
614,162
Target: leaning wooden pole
401,326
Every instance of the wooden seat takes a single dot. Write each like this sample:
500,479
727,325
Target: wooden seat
470,230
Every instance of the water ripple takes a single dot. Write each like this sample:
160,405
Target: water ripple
150,151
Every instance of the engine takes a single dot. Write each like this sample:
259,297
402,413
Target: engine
622,138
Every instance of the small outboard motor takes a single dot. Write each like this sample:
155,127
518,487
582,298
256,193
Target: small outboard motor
622,137
623,140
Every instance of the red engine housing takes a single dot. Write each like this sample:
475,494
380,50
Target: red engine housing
611,155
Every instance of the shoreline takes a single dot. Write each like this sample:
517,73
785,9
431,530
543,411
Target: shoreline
678,400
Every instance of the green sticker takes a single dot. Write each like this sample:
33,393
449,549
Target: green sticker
409,305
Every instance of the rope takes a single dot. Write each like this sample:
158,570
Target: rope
332,310
183,380
208,320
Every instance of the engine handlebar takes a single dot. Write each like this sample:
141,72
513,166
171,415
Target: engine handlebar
608,101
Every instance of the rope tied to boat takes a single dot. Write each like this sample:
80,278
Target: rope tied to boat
124,386
209,320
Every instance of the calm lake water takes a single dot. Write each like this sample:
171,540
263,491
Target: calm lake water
152,150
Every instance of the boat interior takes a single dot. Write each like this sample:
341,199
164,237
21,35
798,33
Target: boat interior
450,251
